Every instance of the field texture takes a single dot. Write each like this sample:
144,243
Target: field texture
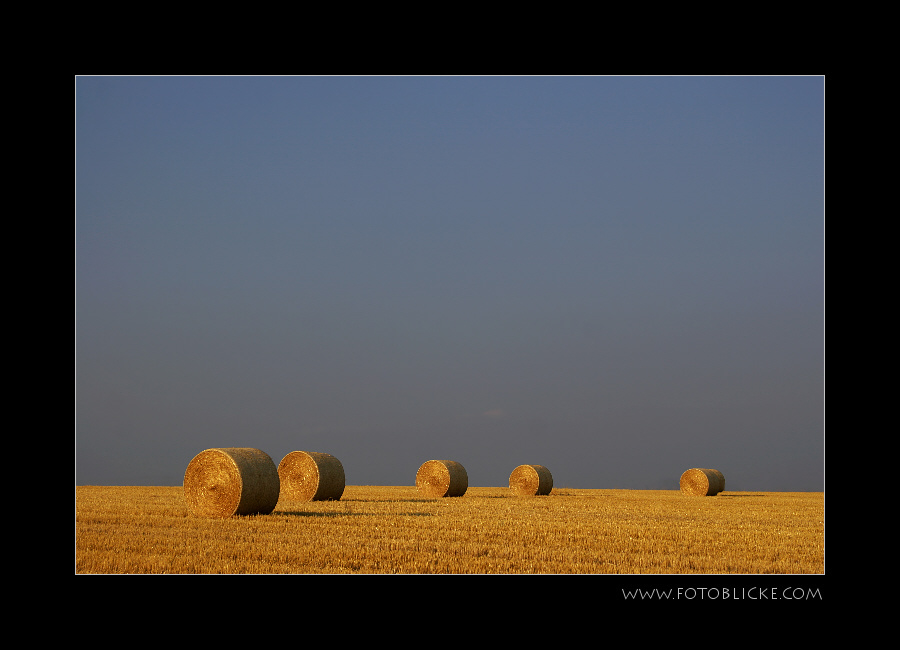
141,530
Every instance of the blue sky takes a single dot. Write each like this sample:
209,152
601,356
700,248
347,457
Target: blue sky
619,278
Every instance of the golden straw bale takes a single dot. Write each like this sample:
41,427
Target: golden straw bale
531,480
231,481
442,478
702,482
311,476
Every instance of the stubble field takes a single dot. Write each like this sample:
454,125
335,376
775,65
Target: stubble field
394,530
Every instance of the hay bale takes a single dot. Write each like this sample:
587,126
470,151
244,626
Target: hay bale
702,482
531,480
231,481
442,478
311,476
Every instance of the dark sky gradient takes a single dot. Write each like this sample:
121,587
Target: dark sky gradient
619,278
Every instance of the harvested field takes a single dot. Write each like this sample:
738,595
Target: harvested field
394,530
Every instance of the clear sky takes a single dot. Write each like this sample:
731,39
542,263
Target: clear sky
619,278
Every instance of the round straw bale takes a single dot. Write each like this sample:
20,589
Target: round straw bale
531,480
702,482
231,481
442,478
311,476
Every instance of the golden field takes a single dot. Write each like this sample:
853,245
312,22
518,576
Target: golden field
395,530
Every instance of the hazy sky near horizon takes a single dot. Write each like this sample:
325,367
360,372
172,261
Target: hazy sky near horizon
619,278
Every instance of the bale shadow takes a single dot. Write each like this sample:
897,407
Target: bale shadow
296,513
419,500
